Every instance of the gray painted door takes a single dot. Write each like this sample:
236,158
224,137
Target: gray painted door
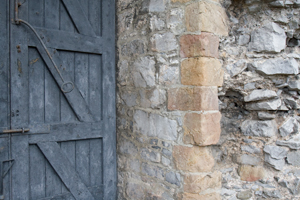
60,98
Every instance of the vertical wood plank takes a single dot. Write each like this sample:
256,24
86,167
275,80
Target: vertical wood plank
82,63
52,14
96,162
65,170
67,114
4,145
66,23
95,62
4,58
37,173
95,89
109,118
19,70
69,148
82,74
53,182
36,66
83,160
36,87
95,15
20,174
52,91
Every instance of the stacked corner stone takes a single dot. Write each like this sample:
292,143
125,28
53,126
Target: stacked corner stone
197,97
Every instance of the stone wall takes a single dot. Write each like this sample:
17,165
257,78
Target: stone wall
258,153
179,62
168,117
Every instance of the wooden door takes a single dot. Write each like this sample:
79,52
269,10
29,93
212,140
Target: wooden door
58,91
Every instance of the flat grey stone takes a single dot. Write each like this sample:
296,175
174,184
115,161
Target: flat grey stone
272,104
270,38
293,143
154,125
249,86
257,95
173,178
236,68
276,152
293,158
129,97
291,103
244,39
278,66
273,194
164,42
244,195
149,155
259,128
277,4
250,149
157,6
153,98
153,171
276,164
290,126
246,159
265,116
294,85
144,72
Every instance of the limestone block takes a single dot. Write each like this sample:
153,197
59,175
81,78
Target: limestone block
175,21
246,159
144,72
149,155
152,170
250,149
153,98
276,164
293,142
259,128
278,66
272,104
205,44
212,196
257,95
275,151
154,125
168,75
206,17
193,159
194,183
164,42
173,178
157,5
249,173
293,158
270,38
290,126
135,191
202,72
196,99
133,48
202,129
236,68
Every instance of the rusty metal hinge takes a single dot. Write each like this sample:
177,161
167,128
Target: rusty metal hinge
23,130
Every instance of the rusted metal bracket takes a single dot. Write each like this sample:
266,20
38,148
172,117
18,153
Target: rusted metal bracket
23,130
18,21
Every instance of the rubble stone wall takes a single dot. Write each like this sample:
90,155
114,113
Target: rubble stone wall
258,153
208,99
168,113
